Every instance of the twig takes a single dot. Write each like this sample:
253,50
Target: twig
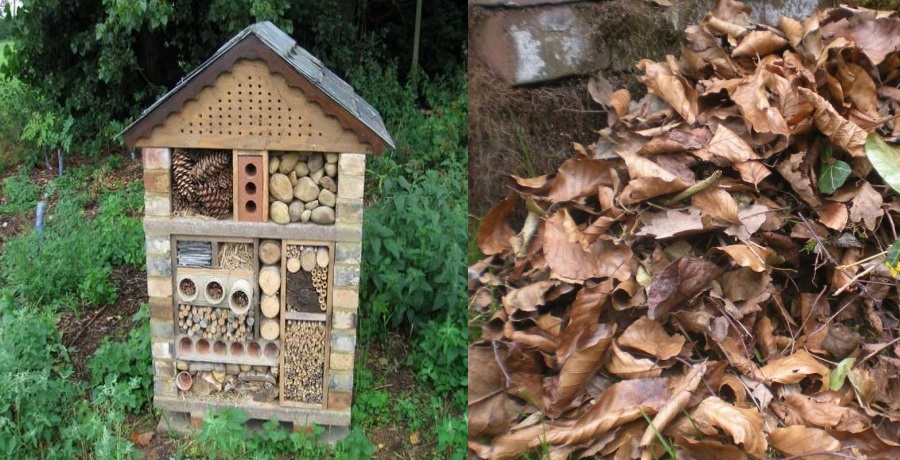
694,189
860,262
828,254
853,280
870,355
87,325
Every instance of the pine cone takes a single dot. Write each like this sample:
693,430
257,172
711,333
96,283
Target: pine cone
213,197
211,164
184,190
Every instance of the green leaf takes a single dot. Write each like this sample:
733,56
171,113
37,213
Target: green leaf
893,253
836,380
885,159
833,176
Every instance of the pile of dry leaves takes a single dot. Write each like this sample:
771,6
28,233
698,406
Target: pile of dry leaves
715,276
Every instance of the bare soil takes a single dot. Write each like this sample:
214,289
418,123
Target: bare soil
83,331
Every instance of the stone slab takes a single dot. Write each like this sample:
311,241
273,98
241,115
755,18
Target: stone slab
189,226
179,423
257,410
533,45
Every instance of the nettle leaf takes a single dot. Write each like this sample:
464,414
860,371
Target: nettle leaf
833,176
885,159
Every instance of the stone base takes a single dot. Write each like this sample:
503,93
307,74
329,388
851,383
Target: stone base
181,424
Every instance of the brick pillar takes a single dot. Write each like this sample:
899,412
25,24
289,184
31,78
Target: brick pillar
345,294
158,203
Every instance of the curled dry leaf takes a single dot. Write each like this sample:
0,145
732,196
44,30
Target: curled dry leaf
495,231
650,337
672,224
793,368
759,43
752,172
798,440
840,131
672,88
626,365
680,398
877,38
866,206
581,365
825,410
753,257
491,410
680,281
529,297
621,403
578,178
745,426
571,258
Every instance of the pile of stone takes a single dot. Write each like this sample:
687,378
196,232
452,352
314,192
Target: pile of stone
302,187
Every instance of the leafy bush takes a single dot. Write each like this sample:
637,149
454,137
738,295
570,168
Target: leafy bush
33,372
413,252
126,362
71,263
20,194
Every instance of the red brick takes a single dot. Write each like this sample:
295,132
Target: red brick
339,400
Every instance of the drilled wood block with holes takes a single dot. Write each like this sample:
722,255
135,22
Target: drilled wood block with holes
254,170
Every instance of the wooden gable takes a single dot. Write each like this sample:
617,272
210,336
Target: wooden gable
251,108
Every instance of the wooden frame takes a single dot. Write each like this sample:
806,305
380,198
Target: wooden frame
252,48
215,241
298,316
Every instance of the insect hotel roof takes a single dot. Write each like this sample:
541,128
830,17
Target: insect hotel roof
261,91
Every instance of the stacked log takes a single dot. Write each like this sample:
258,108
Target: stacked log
304,361
215,323
270,285
303,187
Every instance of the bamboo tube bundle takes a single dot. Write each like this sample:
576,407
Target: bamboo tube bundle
304,361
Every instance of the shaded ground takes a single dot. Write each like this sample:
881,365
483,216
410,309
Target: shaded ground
83,331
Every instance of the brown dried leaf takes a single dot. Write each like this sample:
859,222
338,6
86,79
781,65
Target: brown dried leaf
759,43
491,411
877,38
620,100
728,145
680,281
840,131
572,258
745,426
859,86
866,206
798,440
672,223
648,179
579,177
792,169
825,410
650,337
754,258
528,298
833,216
752,96
674,89
621,403
581,366
752,172
142,439
495,231
718,204
693,449
626,365
794,368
